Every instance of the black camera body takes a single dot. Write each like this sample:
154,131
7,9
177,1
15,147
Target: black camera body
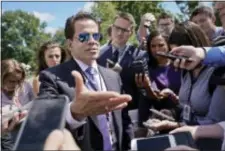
140,66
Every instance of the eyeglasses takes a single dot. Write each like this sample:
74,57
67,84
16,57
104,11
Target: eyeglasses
85,37
123,30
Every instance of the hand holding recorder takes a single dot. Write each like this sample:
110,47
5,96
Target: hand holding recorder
197,55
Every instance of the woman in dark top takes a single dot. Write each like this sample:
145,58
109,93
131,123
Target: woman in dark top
163,82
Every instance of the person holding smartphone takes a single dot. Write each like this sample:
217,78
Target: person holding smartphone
162,84
7,126
205,131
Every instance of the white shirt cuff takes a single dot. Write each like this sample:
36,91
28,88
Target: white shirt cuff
73,123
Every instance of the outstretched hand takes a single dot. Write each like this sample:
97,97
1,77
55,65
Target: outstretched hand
87,103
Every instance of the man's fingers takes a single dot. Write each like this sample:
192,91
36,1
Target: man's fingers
54,140
96,96
79,82
180,129
177,51
112,102
117,101
118,107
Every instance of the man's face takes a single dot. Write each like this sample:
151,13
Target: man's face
121,31
204,21
165,26
85,43
220,7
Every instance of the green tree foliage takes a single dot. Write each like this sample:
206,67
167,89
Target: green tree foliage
59,36
139,8
105,12
22,34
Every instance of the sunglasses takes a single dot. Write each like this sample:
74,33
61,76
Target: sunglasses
85,37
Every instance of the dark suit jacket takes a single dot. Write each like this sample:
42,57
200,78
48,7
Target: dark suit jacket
127,76
58,80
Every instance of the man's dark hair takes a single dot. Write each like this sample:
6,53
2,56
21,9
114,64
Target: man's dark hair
70,22
202,10
165,15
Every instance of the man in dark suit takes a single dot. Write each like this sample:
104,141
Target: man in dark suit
121,52
94,118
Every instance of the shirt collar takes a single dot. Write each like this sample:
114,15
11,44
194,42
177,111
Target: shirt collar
84,66
121,49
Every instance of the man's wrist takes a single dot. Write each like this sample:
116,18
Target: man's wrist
75,115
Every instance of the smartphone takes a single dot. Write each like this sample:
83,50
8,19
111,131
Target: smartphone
162,142
156,143
164,116
173,57
45,115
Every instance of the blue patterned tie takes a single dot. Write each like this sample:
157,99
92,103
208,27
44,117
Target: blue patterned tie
102,120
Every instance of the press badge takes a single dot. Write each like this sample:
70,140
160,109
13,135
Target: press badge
187,113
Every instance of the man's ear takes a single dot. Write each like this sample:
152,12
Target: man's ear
68,43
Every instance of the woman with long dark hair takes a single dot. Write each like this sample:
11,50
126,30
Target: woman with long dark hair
163,80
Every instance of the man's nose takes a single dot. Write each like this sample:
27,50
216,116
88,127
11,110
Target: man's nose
92,40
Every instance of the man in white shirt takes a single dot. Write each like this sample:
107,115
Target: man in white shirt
94,118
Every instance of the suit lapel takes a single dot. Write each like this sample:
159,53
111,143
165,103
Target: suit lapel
106,54
108,79
127,56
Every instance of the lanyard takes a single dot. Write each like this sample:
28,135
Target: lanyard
193,80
